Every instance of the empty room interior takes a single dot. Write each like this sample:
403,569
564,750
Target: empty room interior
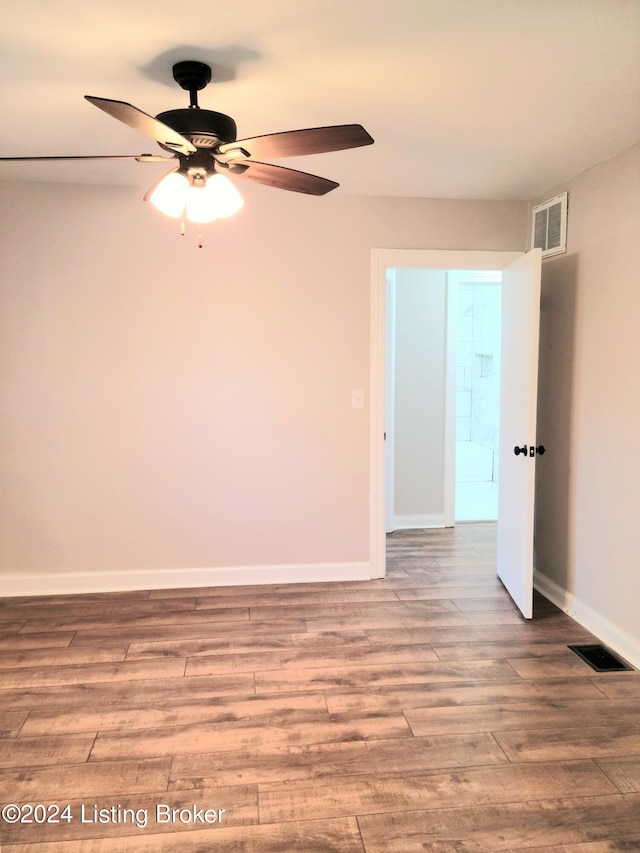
318,441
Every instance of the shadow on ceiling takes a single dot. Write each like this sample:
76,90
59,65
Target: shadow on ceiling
224,62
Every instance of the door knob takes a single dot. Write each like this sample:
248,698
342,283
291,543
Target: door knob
518,450
540,449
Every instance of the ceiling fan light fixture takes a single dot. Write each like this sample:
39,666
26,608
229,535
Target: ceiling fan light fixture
200,199
217,198
222,196
170,194
199,207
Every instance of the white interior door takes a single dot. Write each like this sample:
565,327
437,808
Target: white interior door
518,403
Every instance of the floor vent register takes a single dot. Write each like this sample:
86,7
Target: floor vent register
600,658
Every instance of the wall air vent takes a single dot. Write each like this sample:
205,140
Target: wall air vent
549,226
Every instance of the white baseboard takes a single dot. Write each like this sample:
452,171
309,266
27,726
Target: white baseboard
619,641
417,522
84,582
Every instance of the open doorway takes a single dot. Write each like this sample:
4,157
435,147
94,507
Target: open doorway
521,273
442,397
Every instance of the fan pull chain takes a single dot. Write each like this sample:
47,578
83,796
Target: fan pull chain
183,231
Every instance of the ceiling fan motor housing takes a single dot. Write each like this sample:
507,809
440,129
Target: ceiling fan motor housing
203,128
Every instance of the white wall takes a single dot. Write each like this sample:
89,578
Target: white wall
170,412
588,489
419,398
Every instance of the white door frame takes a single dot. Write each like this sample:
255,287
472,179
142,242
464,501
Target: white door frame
390,405
381,260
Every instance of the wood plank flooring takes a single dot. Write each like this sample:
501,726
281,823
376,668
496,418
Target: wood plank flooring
415,714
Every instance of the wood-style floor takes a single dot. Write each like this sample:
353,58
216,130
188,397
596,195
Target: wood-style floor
413,714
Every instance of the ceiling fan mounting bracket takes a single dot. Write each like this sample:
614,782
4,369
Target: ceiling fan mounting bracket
192,76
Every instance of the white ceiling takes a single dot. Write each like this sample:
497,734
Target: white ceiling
465,98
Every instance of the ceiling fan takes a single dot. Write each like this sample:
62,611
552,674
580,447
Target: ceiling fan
205,146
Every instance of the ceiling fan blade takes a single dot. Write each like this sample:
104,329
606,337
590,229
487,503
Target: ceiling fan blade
290,143
283,179
145,123
141,158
